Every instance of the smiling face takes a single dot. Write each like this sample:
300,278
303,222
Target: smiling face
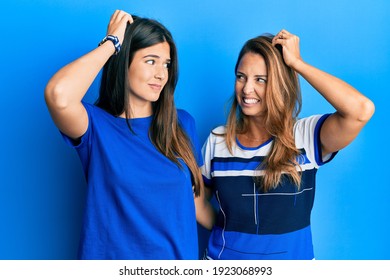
148,74
251,83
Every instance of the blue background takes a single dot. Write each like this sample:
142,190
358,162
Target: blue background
42,188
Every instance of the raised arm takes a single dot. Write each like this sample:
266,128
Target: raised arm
65,90
353,110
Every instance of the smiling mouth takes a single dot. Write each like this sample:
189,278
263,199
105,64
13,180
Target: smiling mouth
250,101
155,87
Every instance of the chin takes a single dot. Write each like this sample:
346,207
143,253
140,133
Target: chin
154,97
252,113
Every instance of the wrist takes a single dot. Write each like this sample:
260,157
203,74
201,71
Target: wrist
297,64
114,40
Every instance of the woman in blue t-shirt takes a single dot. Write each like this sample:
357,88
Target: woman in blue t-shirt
261,166
140,154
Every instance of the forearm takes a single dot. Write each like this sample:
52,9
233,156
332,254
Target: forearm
353,110
348,102
205,212
207,218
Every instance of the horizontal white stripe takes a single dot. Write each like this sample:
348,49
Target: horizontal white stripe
263,194
232,173
235,173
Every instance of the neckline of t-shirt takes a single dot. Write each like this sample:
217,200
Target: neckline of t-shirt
135,119
254,148
140,119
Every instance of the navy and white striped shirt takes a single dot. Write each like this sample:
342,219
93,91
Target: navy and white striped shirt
252,224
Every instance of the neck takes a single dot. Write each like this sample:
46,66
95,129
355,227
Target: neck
249,137
138,112
255,129
254,134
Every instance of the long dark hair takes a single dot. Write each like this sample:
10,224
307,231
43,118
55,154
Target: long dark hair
165,131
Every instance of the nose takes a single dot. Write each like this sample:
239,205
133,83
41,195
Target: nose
160,73
248,88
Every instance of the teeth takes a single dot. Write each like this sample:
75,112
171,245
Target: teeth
250,100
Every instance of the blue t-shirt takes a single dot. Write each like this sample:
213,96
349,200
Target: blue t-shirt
253,224
139,203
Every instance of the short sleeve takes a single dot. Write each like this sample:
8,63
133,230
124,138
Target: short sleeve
307,138
208,153
82,142
84,145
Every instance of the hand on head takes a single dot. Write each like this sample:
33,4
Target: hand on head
118,23
290,46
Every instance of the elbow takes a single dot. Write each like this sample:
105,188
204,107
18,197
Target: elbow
366,110
55,97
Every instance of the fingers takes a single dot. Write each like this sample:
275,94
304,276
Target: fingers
118,23
282,37
120,16
279,37
290,47
123,16
285,33
277,41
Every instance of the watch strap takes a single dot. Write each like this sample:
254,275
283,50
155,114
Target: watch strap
114,39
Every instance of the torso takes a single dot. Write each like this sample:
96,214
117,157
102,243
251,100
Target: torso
253,224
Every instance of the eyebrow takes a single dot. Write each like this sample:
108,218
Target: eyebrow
155,56
261,75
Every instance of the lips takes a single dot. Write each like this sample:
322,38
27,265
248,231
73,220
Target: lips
155,87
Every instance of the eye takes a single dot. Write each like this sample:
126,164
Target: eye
261,80
240,77
167,65
150,61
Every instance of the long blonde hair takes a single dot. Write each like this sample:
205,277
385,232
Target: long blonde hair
283,104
